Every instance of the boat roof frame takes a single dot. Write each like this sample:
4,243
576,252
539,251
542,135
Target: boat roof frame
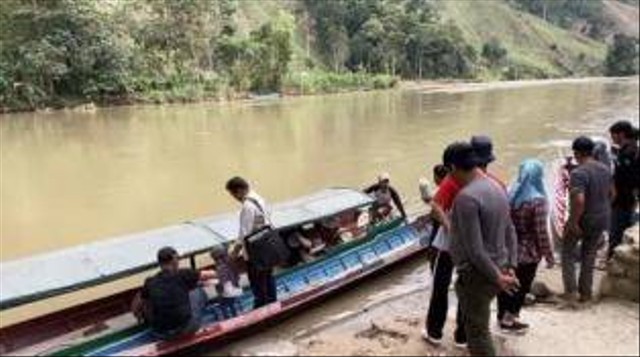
99,272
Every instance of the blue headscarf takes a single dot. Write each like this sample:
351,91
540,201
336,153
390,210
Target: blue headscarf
530,183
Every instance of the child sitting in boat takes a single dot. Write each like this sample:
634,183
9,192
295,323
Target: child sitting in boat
228,287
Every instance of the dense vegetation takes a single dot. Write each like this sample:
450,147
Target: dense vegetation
59,50
389,36
55,53
622,57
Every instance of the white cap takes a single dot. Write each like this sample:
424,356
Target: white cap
384,176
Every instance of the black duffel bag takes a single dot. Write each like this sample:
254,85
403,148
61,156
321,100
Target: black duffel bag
265,247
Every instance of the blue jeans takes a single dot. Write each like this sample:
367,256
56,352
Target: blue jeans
621,220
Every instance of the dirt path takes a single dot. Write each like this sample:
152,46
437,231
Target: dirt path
392,327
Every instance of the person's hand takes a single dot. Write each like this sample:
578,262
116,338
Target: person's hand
236,251
508,283
551,262
446,226
572,230
432,252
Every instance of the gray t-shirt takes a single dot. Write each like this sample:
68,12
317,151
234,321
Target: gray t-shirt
482,235
594,180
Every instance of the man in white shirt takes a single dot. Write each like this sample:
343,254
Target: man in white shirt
253,216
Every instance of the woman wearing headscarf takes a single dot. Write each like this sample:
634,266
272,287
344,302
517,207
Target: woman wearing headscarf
529,208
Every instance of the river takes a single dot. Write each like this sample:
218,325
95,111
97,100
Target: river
70,177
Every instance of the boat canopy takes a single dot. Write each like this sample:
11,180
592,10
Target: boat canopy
45,275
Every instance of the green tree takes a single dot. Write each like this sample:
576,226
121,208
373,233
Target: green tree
494,52
273,41
329,19
258,62
622,56
61,48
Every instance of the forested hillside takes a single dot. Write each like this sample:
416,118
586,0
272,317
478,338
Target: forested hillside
55,53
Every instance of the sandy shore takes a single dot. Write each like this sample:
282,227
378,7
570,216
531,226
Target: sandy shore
466,86
392,326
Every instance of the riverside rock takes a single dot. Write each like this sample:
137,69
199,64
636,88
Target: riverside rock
622,278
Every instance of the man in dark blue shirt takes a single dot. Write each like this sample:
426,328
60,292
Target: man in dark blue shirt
173,298
626,176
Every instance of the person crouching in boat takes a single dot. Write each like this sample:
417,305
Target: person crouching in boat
173,298
384,194
529,209
254,218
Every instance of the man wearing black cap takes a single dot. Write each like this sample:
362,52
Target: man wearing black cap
483,247
483,147
590,188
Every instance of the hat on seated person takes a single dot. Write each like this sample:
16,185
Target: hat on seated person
384,176
483,147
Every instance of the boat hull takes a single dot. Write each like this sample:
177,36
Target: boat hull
560,199
384,250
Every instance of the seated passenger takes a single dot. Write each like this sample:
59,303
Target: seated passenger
384,194
174,300
328,231
305,245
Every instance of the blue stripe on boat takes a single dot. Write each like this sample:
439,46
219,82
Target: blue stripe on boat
370,252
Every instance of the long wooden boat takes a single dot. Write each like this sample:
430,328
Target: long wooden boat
559,198
70,331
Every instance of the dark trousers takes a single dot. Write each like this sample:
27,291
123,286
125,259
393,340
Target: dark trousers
439,304
512,304
263,285
621,219
588,250
476,293
198,302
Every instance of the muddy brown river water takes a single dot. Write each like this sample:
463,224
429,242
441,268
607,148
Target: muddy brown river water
70,177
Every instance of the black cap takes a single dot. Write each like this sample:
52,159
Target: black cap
166,255
583,145
483,147
461,155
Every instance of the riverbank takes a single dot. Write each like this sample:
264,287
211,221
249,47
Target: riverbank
313,83
393,327
214,90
